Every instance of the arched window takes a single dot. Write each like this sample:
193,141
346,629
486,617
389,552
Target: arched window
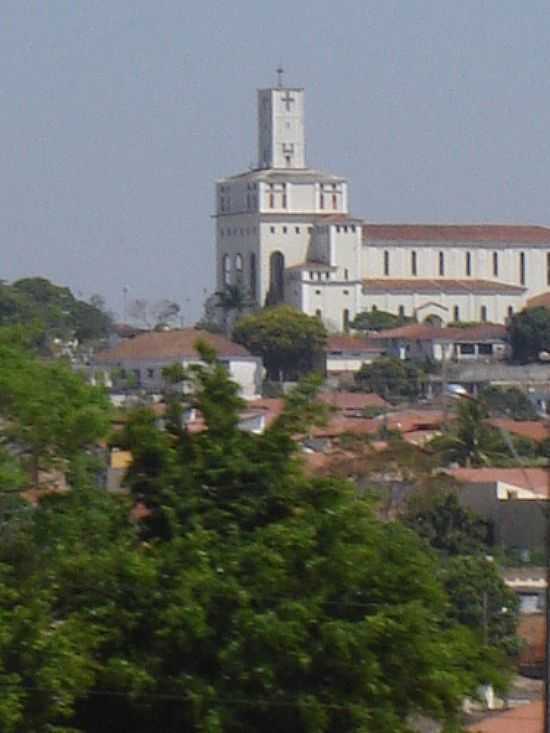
226,270
276,277
495,264
238,262
468,264
441,264
414,267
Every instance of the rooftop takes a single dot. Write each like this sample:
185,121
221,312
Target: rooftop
342,342
458,233
166,345
536,480
425,332
438,285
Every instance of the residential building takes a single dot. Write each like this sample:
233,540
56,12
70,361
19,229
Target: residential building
144,358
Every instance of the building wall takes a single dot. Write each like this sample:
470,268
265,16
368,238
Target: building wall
246,372
442,305
482,265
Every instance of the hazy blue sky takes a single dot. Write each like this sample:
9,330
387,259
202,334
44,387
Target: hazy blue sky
117,116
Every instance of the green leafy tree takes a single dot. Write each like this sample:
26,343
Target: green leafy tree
49,413
481,600
54,311
447,527
233,301
249,597
392,378
511,402
377,320
529,334
289,342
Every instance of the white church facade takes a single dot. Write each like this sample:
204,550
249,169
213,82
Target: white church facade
284,234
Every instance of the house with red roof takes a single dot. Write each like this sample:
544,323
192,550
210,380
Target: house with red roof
144,357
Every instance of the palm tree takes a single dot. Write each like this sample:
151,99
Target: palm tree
233,299
470,441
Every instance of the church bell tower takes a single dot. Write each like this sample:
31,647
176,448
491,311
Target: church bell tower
281,127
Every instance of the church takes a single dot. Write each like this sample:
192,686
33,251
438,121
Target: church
284,234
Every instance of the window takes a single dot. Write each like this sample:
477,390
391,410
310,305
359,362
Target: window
467,349
468,264
401,311
272,230
386,262
297,230
413,263
510,311
285,230
374,308
483,313
456,314
238,262
317,292
319,313
353,227
252,280
441,264
284,201
346,292
346,273
321,201
495,264
345,319
485,349
334,201
226,270
337,229
271,201
150,373
311,275
522,268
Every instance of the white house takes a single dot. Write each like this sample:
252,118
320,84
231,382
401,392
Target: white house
284,232
145,356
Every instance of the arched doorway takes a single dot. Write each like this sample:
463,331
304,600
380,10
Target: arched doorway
434,320
276,278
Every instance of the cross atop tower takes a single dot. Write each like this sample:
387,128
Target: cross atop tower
280,72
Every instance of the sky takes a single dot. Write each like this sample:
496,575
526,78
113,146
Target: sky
117,117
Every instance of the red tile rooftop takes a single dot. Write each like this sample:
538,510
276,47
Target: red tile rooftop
536,480
530,429
459,233
438,285
352,343
164,345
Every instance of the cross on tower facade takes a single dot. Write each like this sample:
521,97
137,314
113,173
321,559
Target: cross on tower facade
288,100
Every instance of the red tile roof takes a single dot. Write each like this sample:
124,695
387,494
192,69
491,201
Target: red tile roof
536,480
523,719
531,429
352,400
438,285
543,299
425,332
166,345
342,342
458,234
418,332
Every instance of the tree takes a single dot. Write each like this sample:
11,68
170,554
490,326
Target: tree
481,600
390,377
289,342
377,320
447,527
249,597
54,310
512,402
529,334
233,299
50,414
470,441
